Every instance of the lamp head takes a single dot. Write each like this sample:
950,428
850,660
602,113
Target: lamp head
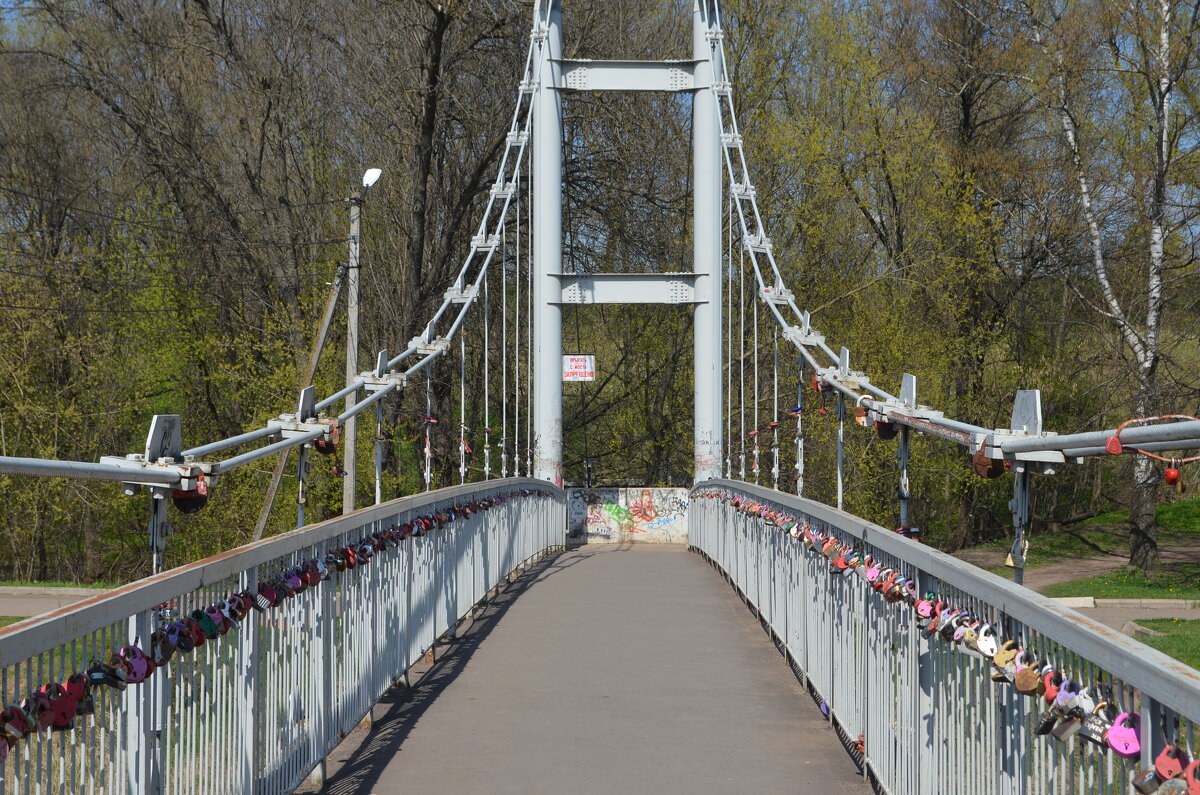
371,176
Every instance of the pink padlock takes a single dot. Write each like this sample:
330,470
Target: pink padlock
1124,736
138,661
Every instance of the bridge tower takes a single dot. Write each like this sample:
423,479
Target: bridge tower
552,289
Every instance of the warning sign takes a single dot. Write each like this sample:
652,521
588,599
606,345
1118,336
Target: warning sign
579,367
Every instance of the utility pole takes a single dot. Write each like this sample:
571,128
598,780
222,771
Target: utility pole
349,440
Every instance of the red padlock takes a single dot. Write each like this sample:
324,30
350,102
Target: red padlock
1171,762
1171,476
1113,446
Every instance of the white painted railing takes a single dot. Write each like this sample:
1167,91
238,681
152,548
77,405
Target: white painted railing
930,717
256,709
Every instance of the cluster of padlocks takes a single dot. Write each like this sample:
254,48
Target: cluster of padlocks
1068,708
55,706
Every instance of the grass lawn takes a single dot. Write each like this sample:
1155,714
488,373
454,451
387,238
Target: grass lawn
1178,582
1182,640
6,620
1106,534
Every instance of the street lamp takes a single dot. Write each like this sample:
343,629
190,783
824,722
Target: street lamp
369,178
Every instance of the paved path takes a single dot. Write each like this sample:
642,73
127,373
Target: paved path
610,670
33,601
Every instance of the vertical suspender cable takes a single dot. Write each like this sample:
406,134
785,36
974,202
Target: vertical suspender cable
841,448
504,336
428,423
742,358
379,442
799,411
517,359
529,438
775,407
487,371
462,407
727,321
903,492
754,466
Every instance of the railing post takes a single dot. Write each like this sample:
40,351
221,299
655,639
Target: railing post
248,665
138,734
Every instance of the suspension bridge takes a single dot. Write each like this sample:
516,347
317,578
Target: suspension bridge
781,645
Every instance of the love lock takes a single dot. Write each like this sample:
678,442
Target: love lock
1124,737
1145,782
1095,727
1051,680
1171,762
986,642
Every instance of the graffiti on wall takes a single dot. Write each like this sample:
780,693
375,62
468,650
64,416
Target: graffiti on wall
637,514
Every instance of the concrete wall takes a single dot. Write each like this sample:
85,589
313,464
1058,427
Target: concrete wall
613,516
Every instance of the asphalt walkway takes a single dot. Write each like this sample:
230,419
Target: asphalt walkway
606,670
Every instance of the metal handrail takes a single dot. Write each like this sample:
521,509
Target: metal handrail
832,628
256,709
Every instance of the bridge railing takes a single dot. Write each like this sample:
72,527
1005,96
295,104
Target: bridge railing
257,708
923,712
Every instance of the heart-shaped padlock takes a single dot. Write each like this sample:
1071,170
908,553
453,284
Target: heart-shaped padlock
1124,737
1171,762
986,642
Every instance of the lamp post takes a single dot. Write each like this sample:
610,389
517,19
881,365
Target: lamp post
352,295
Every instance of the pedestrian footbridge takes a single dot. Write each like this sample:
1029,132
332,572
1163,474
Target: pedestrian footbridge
759,657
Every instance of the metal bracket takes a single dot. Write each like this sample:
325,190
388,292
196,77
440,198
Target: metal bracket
456,296
190,472
485,242
164,442
759,243
519,138
908,390
306,409
778,295
798,336
425,348
744,191
503,190
731,140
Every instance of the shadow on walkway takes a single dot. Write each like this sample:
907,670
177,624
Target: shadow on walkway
356,765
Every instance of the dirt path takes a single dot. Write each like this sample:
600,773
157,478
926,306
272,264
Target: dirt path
1077,568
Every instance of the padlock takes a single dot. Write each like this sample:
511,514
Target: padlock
1145,782
1171,762
1047,722
1027,681
1124,737
1190,776
1069,726
1066,693
986,642
1096,725
1006,654
1051,680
